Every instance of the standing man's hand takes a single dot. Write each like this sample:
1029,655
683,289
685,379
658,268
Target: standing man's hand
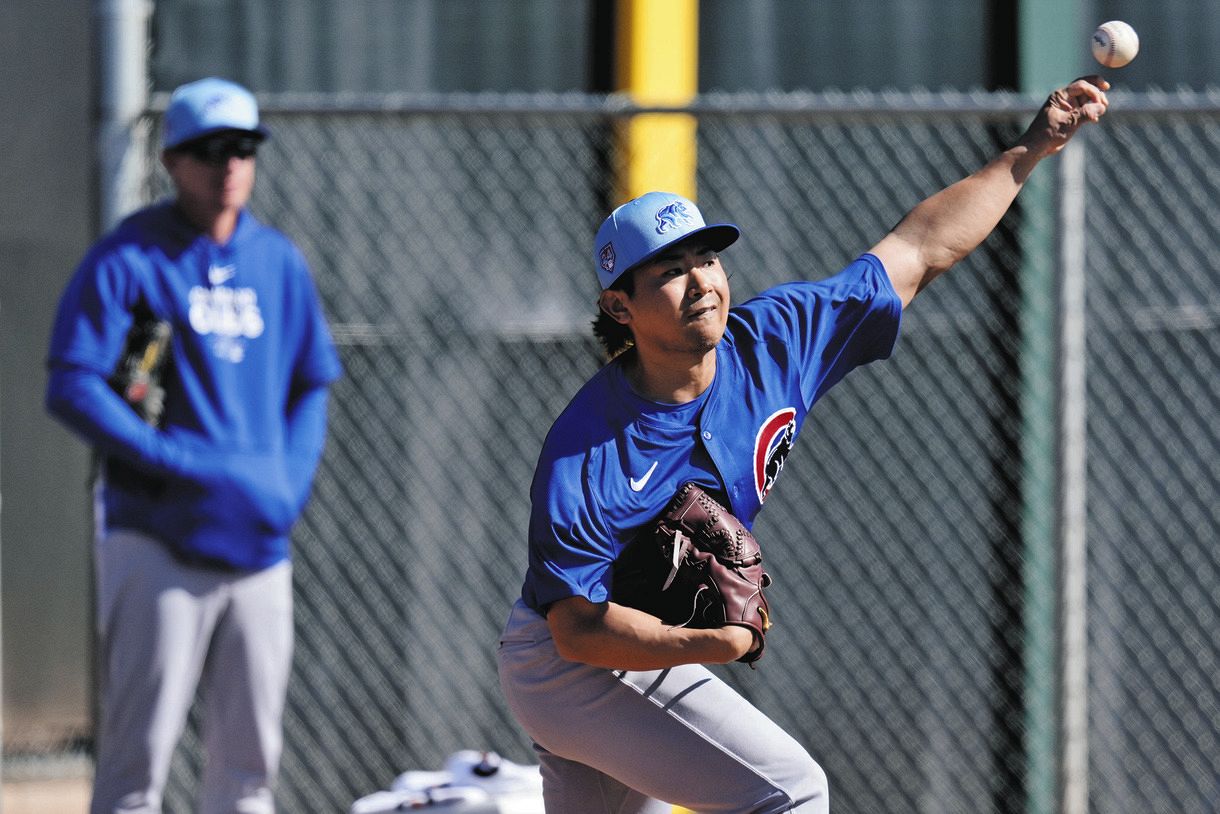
1064,112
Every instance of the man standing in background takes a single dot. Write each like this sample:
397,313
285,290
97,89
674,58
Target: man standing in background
203,473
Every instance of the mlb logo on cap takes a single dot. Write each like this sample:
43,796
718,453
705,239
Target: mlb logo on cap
639,229
607,258
198,109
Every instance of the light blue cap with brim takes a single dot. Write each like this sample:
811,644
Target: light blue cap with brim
639,229
207,106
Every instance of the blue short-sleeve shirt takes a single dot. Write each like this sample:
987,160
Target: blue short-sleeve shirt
612,461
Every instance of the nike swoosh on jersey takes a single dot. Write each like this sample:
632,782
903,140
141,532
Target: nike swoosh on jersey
637,485
218,275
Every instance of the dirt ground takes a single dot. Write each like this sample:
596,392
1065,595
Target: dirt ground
42,796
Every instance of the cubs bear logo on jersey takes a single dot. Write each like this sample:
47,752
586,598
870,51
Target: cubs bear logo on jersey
771,448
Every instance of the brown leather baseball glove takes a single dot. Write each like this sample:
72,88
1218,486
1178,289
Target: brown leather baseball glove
697,566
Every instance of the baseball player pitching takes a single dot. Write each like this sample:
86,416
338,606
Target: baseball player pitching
703,402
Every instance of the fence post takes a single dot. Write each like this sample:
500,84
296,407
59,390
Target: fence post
1049,50
1073,633
123,46
658,64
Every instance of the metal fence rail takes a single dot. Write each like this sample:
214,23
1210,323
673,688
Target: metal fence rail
449,238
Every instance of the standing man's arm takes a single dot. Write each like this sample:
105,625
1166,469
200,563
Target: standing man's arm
946,227
83,400
316,366
305,438
91,325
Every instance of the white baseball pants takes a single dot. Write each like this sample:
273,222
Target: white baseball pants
619,742
165,629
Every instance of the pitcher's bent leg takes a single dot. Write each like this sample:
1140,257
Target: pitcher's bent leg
571,786
680,735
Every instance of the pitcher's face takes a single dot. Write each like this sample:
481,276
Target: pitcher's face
681,300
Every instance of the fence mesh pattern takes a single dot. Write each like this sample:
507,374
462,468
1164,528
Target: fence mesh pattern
452,251
1154,434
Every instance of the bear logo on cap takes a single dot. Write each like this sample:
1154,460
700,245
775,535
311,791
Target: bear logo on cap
672,216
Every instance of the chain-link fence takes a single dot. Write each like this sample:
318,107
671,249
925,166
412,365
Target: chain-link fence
450,240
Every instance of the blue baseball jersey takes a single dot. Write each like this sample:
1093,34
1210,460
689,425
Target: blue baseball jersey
613,460
245,401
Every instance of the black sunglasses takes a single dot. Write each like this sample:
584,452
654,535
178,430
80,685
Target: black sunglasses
217,150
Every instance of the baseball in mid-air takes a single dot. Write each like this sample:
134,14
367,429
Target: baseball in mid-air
1115,44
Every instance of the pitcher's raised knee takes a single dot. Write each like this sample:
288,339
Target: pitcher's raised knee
806,790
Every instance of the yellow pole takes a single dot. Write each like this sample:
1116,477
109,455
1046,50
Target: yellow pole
657,65
658,57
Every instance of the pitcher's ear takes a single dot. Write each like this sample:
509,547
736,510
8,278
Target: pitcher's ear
614,304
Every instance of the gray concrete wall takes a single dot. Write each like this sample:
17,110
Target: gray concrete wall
46,206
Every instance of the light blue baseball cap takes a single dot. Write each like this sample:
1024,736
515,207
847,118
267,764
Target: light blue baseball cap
208,106
639,229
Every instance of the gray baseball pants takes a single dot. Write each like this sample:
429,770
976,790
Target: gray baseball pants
165,629
620,742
